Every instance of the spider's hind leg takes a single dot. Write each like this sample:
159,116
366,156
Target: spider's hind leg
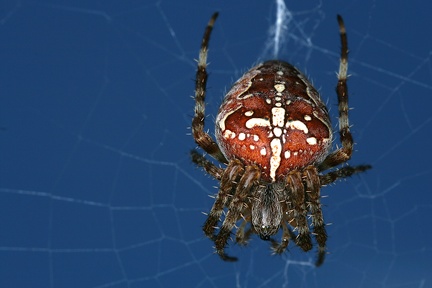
202,138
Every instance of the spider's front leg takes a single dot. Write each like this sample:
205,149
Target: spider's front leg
313,186
229,179
295,185
243,235
249,179
287,234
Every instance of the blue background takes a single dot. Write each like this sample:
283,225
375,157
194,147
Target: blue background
96,185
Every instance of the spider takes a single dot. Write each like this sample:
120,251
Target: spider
273,135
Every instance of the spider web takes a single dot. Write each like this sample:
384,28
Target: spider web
96,185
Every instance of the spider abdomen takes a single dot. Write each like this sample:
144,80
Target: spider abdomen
274,118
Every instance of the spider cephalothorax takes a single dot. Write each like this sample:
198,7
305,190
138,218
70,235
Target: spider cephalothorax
273,134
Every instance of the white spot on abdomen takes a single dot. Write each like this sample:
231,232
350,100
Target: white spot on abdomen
277,131
279,87
311,141
229,134
297,125
278,116
257,122
225,116
275,160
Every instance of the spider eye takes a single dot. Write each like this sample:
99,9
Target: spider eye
266,232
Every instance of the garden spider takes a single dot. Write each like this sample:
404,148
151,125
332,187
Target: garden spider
274,135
